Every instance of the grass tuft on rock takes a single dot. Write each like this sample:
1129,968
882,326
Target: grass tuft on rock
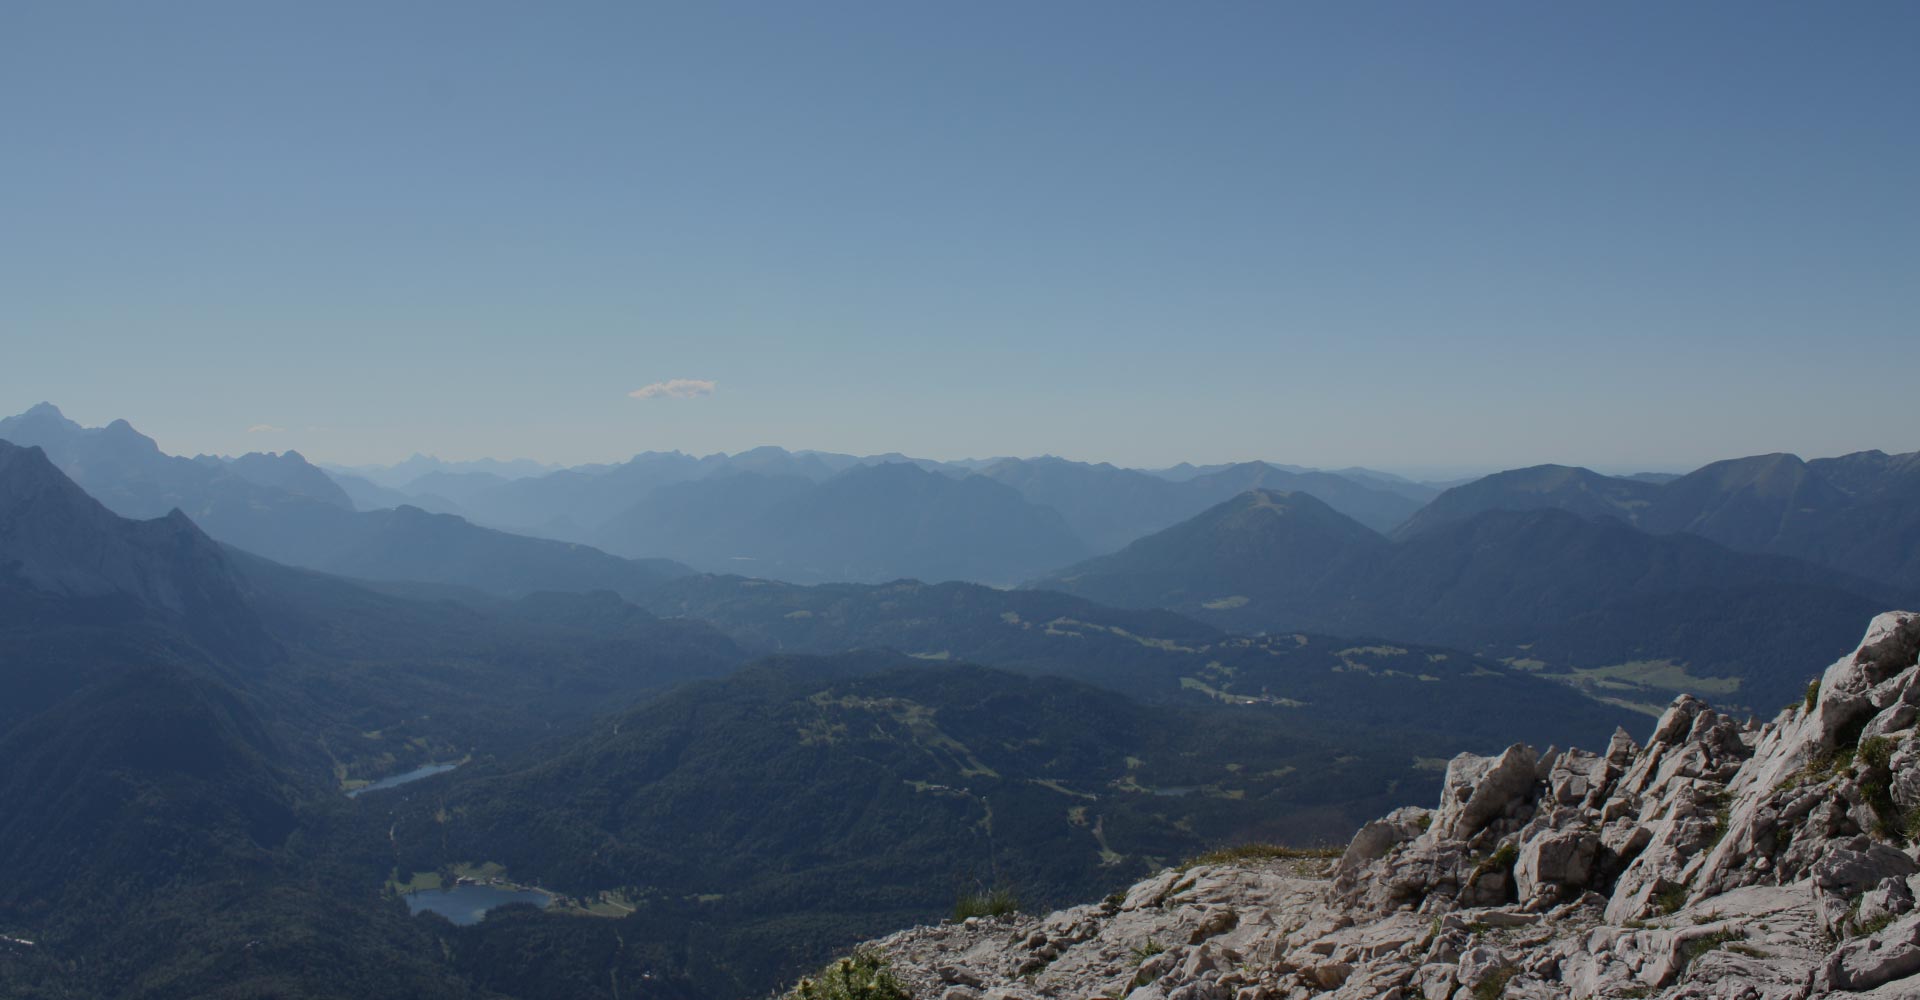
1868,928
1140,956
1243,853
1701,945
1874,761
995,902
1670,899
1500,862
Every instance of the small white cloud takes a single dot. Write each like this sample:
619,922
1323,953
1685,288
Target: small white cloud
265,429
676,388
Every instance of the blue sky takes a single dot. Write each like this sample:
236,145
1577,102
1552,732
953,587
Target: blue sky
1403,235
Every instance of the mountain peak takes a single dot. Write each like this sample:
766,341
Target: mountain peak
1281,500
1571,488
122,433
1777,470
1255,547
1295,503
178,518
40,420
26,471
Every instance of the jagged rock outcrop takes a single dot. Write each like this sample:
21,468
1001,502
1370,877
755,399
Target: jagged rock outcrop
1723,859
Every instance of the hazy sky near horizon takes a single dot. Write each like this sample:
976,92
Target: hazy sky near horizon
1405,235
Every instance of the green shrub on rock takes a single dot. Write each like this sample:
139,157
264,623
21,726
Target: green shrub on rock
860,976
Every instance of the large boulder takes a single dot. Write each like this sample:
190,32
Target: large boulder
1580,778
1554,862
1375,839
1893,953
1905,767
1893,898
1848,689
1677,721
1850,870
1478,790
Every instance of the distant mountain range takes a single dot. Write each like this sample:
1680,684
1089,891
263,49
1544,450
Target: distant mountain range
732,513
1730,575
117,593
807,517
126,470
1517,584
879,521
772,513
1110,506
281,507
1858,514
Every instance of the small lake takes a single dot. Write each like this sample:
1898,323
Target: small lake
395,781
1176,791
466,904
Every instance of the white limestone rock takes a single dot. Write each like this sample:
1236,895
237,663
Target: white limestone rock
1478,790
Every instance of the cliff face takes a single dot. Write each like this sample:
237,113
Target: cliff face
1740,861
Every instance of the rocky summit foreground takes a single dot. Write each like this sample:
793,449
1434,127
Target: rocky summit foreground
1740,861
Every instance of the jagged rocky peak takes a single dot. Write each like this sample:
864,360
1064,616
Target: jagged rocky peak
1723,859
